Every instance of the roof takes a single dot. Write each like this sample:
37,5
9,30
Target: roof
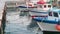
41,2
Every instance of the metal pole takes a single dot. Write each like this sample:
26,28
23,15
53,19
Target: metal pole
57,3
27,1
27,5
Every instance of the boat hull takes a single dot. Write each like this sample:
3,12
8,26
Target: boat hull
45,20
25,7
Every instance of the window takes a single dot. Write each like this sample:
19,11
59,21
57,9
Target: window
55,14
49,5
44,6
54,6
35,4
50,13
59,12
40,6
59,2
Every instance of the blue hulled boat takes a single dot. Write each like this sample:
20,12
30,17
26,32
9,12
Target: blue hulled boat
53,17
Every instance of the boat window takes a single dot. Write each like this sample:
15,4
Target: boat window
59,12
44,6
50,13
35,4
59,4
55,14
49,6
40,6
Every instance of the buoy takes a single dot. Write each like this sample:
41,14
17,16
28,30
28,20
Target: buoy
58,27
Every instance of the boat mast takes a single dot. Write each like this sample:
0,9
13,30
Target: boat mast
27,2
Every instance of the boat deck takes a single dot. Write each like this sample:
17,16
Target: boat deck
37,13
47,27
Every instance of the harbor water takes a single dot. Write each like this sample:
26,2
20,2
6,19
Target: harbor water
16,24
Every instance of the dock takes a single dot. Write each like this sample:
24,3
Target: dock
2,16
47,28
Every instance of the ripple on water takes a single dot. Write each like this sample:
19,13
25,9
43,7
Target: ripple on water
18,25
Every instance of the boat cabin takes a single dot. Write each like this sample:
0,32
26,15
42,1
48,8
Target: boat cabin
44,6
54,14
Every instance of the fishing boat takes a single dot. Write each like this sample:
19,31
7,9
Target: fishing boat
42,9
42,5
29,4
53,17
39,10
24,6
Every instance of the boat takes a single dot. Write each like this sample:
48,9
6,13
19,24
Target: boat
28,5
39,10
42,9
52,18
25,6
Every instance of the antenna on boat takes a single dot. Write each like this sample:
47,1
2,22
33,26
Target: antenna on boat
27,2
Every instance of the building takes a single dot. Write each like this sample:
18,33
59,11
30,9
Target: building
56,3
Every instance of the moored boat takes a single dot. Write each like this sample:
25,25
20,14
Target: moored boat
53,17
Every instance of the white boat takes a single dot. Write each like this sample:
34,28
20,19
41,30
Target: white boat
42,9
